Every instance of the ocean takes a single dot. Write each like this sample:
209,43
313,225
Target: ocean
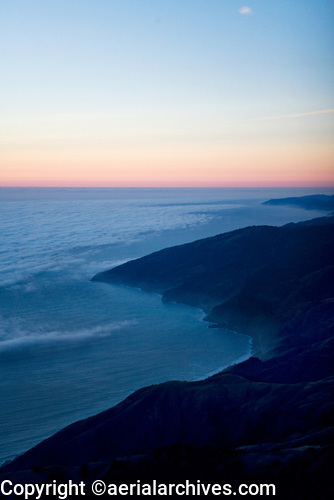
69,347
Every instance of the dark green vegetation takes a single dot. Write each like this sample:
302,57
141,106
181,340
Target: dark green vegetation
269,419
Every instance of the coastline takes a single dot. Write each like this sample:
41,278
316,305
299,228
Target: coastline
262,345
239,360
196,372
273,408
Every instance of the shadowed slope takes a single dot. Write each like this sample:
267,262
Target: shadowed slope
268,420
251,279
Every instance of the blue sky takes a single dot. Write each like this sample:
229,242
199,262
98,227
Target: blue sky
109,76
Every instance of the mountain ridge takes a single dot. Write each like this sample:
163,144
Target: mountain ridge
268,419
218,275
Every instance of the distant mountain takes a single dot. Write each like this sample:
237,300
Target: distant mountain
312,202
267,420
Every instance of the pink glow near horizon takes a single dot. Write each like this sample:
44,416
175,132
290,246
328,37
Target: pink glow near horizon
244,154
314,170
273,180
246,162
324,183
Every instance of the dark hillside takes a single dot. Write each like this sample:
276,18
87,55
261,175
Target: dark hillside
267,420
246,279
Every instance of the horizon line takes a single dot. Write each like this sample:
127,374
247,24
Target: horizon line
253,186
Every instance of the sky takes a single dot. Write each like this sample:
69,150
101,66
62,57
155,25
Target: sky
166,93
